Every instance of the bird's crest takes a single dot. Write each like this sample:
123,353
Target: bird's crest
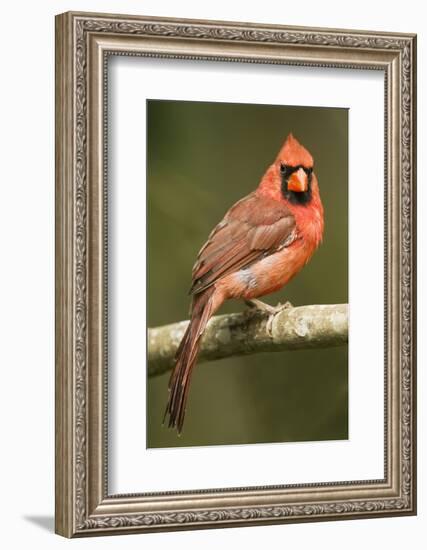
294,154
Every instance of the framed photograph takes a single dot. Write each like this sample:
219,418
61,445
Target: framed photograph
235,274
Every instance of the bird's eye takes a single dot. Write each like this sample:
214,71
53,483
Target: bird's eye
283,168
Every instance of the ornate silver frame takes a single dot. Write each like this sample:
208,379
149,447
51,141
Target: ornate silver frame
83,42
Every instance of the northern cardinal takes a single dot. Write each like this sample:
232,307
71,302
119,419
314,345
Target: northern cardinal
262,242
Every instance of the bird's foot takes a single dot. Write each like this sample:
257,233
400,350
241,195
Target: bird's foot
258,305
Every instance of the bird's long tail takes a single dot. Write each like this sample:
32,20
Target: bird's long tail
186,357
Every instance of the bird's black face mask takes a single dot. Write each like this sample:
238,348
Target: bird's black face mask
296,183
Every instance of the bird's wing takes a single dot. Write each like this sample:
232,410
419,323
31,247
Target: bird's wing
252,229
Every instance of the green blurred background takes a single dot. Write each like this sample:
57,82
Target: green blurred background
201,158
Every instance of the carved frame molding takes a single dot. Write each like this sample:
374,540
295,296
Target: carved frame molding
83,43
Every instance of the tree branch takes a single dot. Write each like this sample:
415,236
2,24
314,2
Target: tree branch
315,326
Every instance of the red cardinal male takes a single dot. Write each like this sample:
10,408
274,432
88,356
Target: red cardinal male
262,242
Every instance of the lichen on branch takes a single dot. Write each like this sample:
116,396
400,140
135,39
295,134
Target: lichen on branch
305,327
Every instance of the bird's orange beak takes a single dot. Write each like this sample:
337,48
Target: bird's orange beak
298,181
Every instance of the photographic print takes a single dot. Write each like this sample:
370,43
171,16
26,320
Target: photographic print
245,203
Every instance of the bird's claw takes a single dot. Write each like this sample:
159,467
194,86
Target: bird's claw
257,305
281,307
276,310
